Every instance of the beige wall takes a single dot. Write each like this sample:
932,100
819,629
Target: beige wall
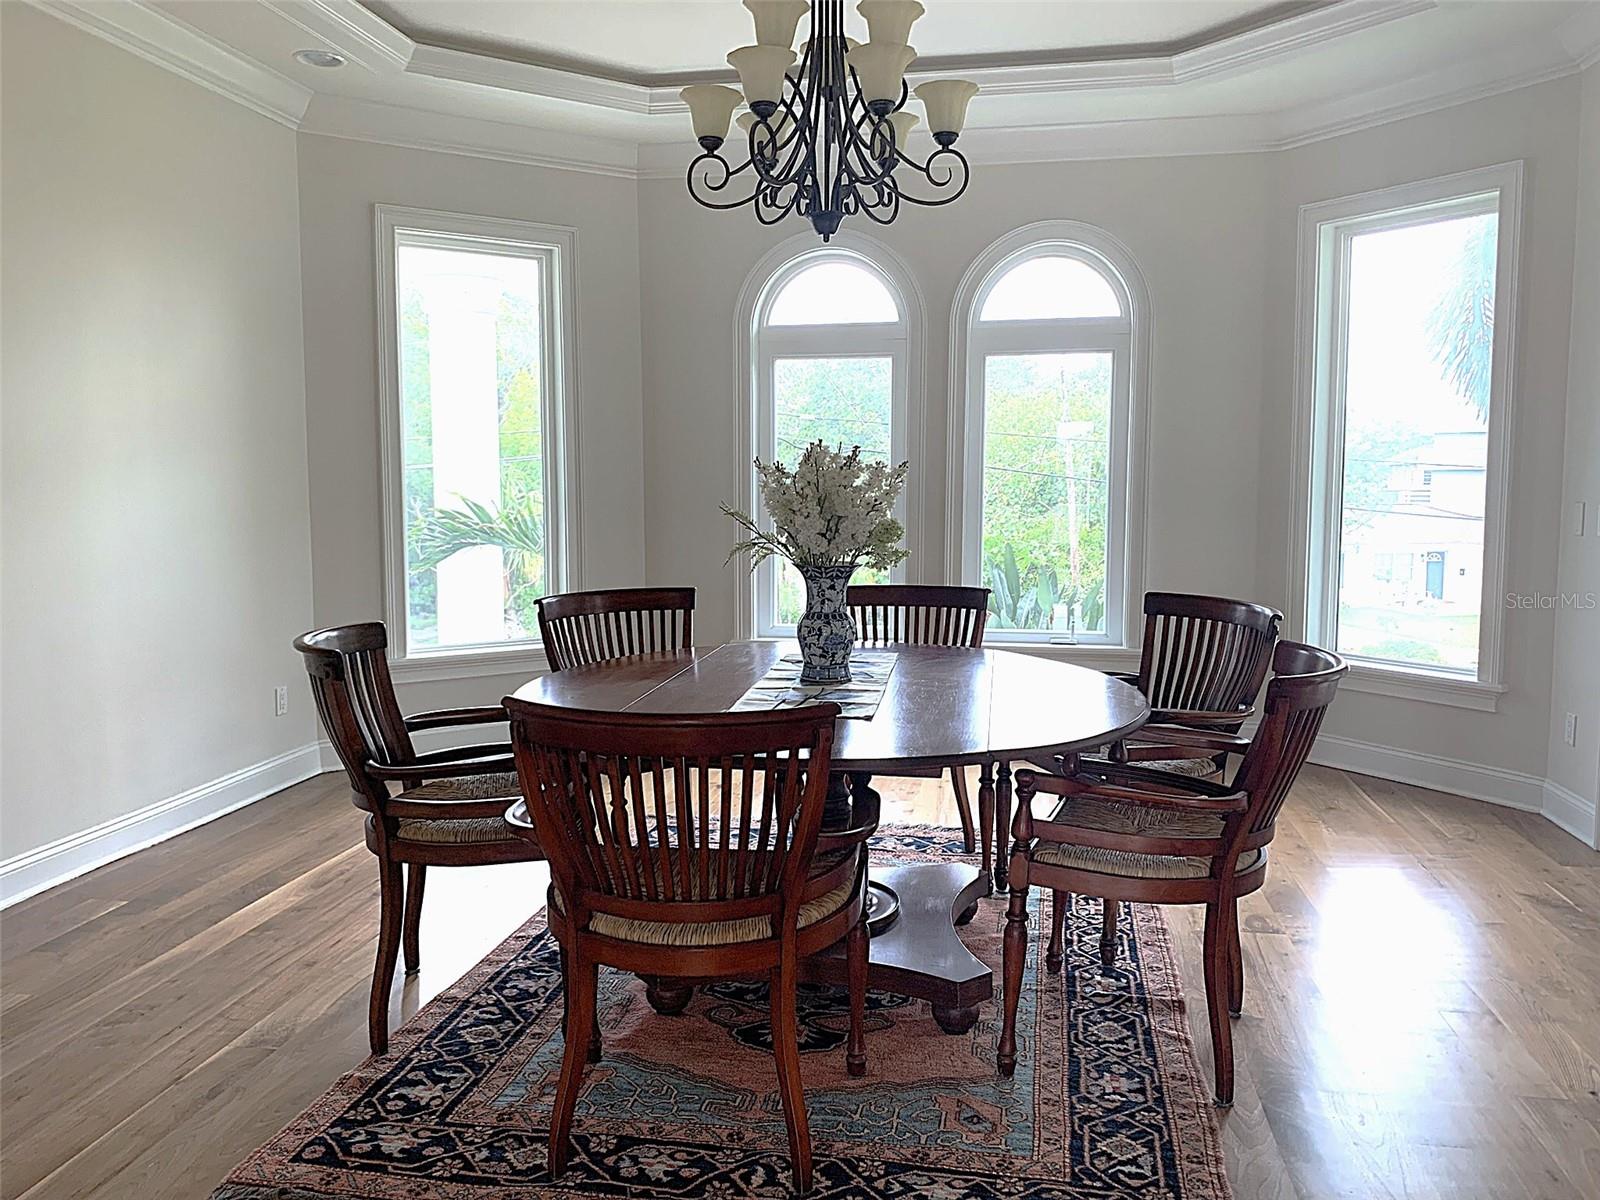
155,540
340,181
1536,125
1194,228
1577,639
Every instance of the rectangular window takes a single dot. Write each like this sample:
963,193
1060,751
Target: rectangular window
477,508
846,401
1046,458
1412,296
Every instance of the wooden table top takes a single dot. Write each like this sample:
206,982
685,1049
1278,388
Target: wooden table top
943,706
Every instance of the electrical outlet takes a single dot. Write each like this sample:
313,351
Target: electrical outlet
280,700
1569,731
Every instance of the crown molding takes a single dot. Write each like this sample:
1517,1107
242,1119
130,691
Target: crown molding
1478,79
421,129
141,29
352,29
1229,54
1581,36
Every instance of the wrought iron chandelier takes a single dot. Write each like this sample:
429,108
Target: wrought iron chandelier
827,138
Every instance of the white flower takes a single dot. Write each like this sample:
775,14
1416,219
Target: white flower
831,510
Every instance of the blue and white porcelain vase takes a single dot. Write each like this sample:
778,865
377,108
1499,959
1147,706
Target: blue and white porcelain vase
826,632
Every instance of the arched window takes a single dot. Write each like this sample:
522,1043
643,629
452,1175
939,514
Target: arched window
830,355
1046,507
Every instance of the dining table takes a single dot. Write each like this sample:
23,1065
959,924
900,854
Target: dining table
942,706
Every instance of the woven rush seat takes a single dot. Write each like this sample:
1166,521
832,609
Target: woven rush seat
1109,817
502,785
711,933
1192,768
454,831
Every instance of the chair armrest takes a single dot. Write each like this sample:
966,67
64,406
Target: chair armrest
443,764
1131,678
863,824
1201,716
1197,739
444,717
1131,785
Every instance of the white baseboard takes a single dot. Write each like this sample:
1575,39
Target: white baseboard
65,858
1571,812
1476,781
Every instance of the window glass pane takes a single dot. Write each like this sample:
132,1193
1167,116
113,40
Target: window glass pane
473,457
841,401
1046,450
1416,447
833,293
1050,286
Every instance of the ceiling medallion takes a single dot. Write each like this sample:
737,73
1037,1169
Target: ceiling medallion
828,138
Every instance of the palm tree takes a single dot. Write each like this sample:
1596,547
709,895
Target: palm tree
1461,325
517,529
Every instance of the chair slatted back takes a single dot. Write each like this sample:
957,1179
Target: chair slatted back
350,683
689,818
919,615
1305,680
580,628
1205,652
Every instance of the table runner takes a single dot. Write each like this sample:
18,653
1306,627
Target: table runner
780,687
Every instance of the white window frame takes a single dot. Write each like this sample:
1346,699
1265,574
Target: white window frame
760,345
1321,313
555,246
1127,338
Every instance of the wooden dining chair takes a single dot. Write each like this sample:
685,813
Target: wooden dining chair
888,614
581,628
1124,832
685,846
1202,664
450,811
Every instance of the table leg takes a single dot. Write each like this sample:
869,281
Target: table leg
836,809
986,822
1002,827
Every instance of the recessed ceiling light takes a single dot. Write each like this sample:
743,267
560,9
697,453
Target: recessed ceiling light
320,58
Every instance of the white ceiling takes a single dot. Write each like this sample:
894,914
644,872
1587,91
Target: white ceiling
594,82
645,40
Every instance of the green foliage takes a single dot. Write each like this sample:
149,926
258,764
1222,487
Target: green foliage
517,530
1461,325
1047,420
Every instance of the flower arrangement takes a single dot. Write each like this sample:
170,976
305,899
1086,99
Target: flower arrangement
832,510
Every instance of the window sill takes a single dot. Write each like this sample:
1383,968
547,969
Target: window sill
1425,686
523,661
1096,657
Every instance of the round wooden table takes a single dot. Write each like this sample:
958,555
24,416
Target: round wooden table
944,706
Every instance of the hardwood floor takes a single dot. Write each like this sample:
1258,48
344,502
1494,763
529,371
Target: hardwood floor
1422,997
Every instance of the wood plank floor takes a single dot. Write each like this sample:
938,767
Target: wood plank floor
1422,1008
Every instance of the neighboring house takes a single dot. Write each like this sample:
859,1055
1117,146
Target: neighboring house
1425,548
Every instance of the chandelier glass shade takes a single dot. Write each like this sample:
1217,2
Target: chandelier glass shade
827,132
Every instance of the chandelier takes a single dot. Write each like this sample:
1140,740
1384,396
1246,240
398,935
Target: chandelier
827,138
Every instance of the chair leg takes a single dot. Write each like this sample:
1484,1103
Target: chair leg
1015,943
1108,933
958,781
1235,968
1218,935
1060,902
986,824
391,898
786,1050
580,982
856,945
416,876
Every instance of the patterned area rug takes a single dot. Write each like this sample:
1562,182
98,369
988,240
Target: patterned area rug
1108,1100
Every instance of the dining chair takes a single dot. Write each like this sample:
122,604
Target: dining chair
582,628
1201,666
1124,832
685,846
888,614
450,811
